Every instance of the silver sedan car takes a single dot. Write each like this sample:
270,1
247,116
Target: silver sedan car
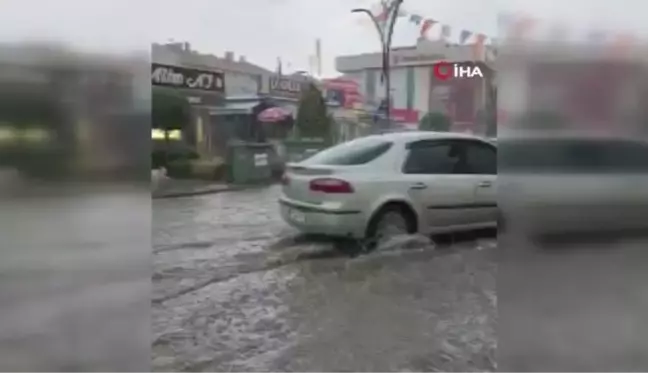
379,186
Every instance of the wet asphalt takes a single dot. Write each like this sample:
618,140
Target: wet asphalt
232,288
236,289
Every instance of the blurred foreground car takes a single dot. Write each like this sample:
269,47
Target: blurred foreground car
572,184
385,185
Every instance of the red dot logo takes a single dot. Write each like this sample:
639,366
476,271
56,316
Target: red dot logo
442,70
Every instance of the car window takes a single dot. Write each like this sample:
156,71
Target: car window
480,159
431,159
352,153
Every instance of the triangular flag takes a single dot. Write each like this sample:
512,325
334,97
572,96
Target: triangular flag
478,47
465,34
445,32
426,26
416,19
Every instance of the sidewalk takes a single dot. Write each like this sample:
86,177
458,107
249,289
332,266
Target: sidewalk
172,188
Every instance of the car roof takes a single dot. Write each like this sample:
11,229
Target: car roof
425,135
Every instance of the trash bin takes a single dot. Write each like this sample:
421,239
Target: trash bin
249,163
300,149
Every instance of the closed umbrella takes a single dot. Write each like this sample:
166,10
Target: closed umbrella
273,115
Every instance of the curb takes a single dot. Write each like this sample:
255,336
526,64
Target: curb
195,193
229,188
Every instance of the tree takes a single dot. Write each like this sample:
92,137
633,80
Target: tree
169,111
435,121
312,118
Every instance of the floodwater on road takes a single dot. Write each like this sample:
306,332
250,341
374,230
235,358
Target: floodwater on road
235,289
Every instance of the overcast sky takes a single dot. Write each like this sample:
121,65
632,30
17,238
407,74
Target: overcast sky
263,30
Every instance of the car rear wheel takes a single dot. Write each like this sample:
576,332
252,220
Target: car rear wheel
391,221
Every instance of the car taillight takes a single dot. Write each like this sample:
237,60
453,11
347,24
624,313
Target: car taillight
329,185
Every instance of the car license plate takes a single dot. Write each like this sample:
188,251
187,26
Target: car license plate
297,216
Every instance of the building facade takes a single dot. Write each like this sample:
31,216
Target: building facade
414,89
226,114
215,120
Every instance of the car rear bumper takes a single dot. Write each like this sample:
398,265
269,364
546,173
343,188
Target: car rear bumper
315,219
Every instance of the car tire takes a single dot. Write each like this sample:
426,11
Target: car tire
389,221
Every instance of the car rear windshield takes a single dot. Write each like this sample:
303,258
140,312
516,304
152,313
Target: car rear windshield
572,156
352,153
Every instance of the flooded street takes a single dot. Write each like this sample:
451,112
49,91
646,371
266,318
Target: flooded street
235,289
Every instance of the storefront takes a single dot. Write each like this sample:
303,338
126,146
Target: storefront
414,89
285,91
203,89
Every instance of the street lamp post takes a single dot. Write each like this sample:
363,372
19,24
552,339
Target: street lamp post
385,33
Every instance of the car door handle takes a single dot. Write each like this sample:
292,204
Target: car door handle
485,184
418,186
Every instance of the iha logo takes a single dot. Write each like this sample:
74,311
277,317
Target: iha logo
446,70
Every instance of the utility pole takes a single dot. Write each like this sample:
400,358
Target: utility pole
385,32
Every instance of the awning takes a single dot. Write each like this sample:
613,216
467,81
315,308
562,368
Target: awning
234,108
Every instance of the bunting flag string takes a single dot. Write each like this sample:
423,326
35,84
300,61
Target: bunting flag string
516,27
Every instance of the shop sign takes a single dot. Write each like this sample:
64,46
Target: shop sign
181,77
285,87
